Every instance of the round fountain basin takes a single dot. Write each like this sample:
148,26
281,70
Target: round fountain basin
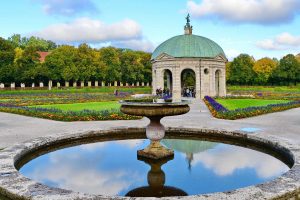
104,165
151,109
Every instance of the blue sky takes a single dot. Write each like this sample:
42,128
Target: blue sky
257,27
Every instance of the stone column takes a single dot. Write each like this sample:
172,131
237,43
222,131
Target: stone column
33,85
116,83
109,85
212,81
143,84
205,81
159,79
49,85
103,84
121,84
13,85
82,84
58,84
127,84
132,84
67,84
96,84
2,86
223,83
198,83
148,84
154,81
138,84
89,84
176,84
23,85
41,84
74,84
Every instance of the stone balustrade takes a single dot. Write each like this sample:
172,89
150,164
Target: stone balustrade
75,84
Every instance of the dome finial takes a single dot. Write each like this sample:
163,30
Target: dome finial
188,29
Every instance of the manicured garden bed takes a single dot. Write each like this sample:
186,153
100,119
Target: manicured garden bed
232,104
59,115
264,92
96,106
221,112
86,105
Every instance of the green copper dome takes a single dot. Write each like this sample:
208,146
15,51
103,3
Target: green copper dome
189,46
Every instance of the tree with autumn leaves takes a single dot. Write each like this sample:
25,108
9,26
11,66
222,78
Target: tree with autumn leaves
244,70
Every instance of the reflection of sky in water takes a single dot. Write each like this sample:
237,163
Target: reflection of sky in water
250,129
112,168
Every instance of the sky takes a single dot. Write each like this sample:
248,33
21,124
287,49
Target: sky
260,28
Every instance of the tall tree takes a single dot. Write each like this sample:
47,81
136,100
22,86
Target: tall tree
241,70
84,61
263,69
7,55
131,67
59,59
112,64
25,66
288,71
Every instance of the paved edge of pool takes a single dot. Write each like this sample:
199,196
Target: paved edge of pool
15,186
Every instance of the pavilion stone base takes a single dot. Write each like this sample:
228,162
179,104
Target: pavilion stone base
155,151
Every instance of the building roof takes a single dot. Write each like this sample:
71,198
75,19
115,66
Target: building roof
189,46
43,55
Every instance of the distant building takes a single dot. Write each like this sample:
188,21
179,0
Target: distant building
43,55
189,57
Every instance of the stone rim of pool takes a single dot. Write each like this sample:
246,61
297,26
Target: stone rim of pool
14,185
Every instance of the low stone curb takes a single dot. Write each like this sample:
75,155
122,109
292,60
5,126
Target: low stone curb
15,186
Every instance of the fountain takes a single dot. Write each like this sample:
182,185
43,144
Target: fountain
155,131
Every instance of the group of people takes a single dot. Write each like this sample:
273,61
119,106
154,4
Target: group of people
189,92
166,93
163,92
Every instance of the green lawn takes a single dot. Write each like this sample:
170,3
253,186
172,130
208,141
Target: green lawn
264,88
84,106
232,104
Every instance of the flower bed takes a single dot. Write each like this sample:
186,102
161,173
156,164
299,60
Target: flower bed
58,98
219,111
59,115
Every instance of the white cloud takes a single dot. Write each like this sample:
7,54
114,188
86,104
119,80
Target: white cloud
142,45
246,11
79,172
225,161
68,7
283,41
232,53
91,31
124,34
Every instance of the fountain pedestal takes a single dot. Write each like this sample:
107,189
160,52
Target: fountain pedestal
155,131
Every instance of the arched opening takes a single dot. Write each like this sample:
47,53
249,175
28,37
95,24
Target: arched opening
217,82
168,83
188,83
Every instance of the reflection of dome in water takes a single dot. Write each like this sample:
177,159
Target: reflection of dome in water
188,146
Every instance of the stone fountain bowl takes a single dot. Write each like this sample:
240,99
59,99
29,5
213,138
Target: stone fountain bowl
153,109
